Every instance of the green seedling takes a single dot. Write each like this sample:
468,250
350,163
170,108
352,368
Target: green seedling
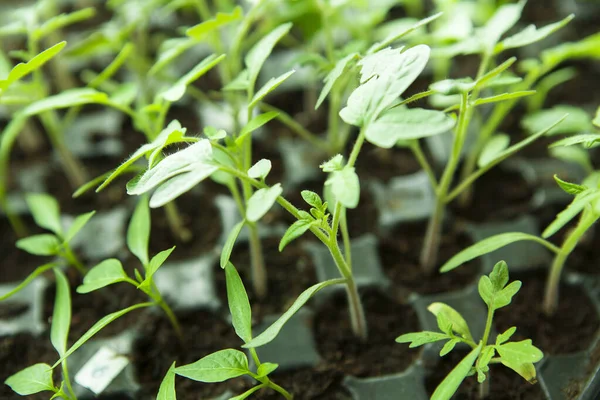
496,292
111,271
585,204
229,363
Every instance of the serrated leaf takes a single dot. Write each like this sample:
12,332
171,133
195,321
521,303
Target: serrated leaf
531,34
260,170
44,244
259,53
336,163
577,120
78,224
268,87
36,272
31,380
520,357
239,305
204,28
568,187
296,230
61,315
271,332
106,273
261,202
417,339
448,346
66,99
23,69
444,323
505,17
494,146
504,337
486,246
403,123
494,298
166,391
459,325
256,123
155,263
312,198
45,211
216,367
588,140
265,369
503,97
229,243
577,205
138,232
345,187
333,76
450,384
177,90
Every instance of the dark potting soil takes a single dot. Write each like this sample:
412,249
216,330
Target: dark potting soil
289,272
400,252
505,384
158,347
385,164
387,318
572,328
17,264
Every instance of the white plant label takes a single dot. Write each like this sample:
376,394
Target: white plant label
101,370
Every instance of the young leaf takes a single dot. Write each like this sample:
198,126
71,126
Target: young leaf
449,346
239,305
503,97
459,325
417,339
450,384
530,35
588,139
268,87
506,17
450,87
23,69
568,187
256,123
45,211
296,230
79,222
345,187
248,392
493,74
494,146
577,120
495,298
138,232
504,337
401,123
397,35
312,198
106,273
261,201
577,205
38,271
499,275
483,361
155,263
260,170
256,57
167,386
336,163
520,357
61,316
333,76
271,332
68,98
486,246
228,246
176,91
32,380
265,369
216,367
45,244
200,31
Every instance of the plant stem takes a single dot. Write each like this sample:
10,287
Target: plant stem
553,282
484,387
176,223
73,260
172,317
279,389
418,152
259,272
346,239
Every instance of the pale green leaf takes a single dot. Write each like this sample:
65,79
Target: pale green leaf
449,346
239,305
155,263
60,21
296,230
166,390
494,146
399,34
265,369
568,187
247,392
459,325
45,211
40,245
271,332
577,120
505,17
503,97
345,186
450,384
588,140
573,154
261,202
417,339
66,99
483,361
577,205
177,90
216,367
106,273
78,224
260,170
520,357
228,246
495,298
268,87
336,163
487,80
312,198
21,70
450,87
257,56
531,34
504,337
61,315
138,232
31,380
256,123
204,28
334,75
36,272
499,275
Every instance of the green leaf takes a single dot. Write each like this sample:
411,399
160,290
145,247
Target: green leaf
79,222
334,75
177,90
506,17
336,163
449,346
312,198
31,380
265,369
61,316
45,211
444,324
486,246
401,123
239,305
450,384
296,230
483,361
417,339
97,327
495,298
38,271
494,146
345,186
503,97
588,140
155,263
568,187
201,30
530,35
261,202
167,386
450,87
23,69
271,332
45,244
520,356
504,337
459,325
138,232
240,82
60,21
216,367
169,50
596,120
106,273
489,77
256,123
257,56
228,246
248,392
573,154
577,205
397,35
66,99
260,170
577,120
499,275
268,87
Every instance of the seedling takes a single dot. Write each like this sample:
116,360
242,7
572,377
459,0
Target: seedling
496,292
230,363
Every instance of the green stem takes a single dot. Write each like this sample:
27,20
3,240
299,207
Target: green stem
420,156
279,389
346,239
552,284
172,318
356,149
175,222
72,259
67,380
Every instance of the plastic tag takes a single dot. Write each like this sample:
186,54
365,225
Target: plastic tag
101,370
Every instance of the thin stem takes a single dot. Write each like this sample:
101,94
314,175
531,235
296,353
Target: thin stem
346,239
356,149
67,379
279,389
72,259
488,325
418,152
172,318
484,387
176,223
